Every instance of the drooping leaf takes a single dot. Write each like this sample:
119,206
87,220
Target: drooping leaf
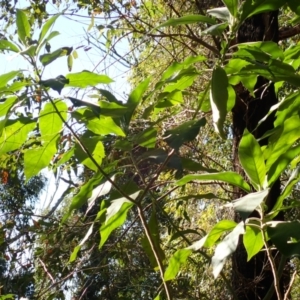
48,58
94,107
46,27
115,216
70,62
285,236
9,46
36,159
178,259
23,26
190,19
50,123
134,99
228,177
218,98
252,160
226,248
109,96
4,111
247,204
56,84
185,132
253,241
86,78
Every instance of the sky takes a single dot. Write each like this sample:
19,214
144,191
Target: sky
73,33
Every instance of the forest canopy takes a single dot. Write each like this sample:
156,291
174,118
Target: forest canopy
171,130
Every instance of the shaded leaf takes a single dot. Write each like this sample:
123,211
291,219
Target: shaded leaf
96,109
218,98
48,58
186,132
228,177
285,236
56,84
190,19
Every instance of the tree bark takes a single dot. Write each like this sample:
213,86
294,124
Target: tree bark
252,280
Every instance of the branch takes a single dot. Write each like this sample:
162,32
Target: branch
288,32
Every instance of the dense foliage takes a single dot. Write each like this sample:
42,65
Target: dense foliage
161,188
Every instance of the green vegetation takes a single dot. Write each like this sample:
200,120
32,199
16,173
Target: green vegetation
186,189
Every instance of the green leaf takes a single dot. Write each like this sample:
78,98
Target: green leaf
115,216
47,26
70,62
15,134
186,132
217,231
85,78
178,259
86,191
176,67
104,126
23,26
226,248
251,7
146,138
253,241
247,204
48,58
4,111
96,149
218,98
36,159
9,46
294,6
221,13
109,96
280,165
228,177
46,40
95,108
285,236
7,297
56,84
74,253
252,160
233,6
134,99
216,30
5,78
280,144
50,123
189,19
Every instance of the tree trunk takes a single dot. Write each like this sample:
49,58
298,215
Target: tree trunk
252,280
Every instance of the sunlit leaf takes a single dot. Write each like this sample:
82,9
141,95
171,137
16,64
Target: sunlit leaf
178,259
50,123
233,6
9,46
70,62
221,13
5,78
252,159
36,159
86,78
48,58
46,27
253,241
23,26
